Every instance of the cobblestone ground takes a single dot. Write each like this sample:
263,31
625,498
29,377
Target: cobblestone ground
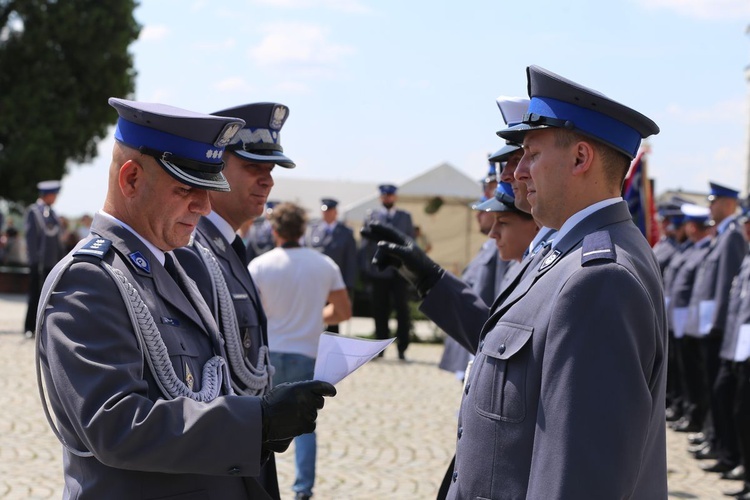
388,434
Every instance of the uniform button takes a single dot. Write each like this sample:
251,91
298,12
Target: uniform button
502,348
234,471
455,475
460,431
466,390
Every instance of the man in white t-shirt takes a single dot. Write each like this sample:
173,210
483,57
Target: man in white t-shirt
302,290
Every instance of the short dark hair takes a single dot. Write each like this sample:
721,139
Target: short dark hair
616,164
288,220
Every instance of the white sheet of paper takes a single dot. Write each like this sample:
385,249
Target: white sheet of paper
339,356
707,308
679,319
742,352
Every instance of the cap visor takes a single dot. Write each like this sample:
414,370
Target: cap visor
195,178
504,153
516,133
277,158
494,205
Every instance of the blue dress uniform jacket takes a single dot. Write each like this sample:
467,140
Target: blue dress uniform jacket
338,245
540,417
251,319
738,312
681,282
714,279
401,220
664,250
483,274
105,397
43,234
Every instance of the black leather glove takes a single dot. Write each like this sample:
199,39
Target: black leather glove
396,249
276,446
290,409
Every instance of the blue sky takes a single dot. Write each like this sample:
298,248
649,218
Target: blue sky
380,91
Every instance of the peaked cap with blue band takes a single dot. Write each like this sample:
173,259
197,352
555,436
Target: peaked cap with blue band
387,189
48,187
491,173
513,110
328,203
719,191
559,102
695,213
186,144
260,138
503,201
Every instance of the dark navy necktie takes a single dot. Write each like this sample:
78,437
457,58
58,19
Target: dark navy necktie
240,249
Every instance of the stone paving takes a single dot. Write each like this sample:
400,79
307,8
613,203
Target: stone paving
388,434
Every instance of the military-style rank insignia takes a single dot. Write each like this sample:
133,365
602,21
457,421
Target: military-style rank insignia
597,246
140,261
219,242
96,247
189,379
550,260
278,116
226,135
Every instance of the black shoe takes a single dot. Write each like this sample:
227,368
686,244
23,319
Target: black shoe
718,466
706,453
685,425
696,437
738,493
401,356
301,496
735,474
672,414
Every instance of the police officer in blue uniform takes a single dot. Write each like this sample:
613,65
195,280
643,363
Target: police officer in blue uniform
133,362
679,280
335,239
539,418
707,316
389,290
44,247
217,259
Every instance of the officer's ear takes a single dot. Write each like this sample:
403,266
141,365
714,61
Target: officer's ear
583,157
131,173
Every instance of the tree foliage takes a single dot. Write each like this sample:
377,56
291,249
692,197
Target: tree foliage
60,60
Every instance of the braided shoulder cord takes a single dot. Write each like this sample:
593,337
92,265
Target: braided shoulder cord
255,378
156,352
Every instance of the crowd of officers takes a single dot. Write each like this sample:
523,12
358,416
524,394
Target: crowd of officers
705,264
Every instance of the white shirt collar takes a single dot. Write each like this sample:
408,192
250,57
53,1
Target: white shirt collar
577,217
222,225
157,253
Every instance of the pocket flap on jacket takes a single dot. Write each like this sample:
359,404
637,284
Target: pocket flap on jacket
506,339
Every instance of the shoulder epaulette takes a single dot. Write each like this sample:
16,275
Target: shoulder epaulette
597,246
96,247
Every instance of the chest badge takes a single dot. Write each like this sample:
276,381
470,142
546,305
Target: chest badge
140,261
189,379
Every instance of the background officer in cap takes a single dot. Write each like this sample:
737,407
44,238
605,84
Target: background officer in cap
137,376
540,417
44,246
217,260
336,240
679,278
707,321
389,290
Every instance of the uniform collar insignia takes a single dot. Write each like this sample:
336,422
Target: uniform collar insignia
219,242
550,260
140,262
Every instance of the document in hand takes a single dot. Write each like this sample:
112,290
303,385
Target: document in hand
339,356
